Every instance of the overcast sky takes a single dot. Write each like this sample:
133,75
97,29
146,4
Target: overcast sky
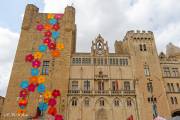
111,18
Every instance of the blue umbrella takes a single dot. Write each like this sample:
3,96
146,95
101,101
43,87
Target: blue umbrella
55,34
22,107
41,88
43,106
34,72
24,84
52,21
42,48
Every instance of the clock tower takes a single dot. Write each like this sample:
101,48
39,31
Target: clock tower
99,47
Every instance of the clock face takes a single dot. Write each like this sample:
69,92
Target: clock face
99,49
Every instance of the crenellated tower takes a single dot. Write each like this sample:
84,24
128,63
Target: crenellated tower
56,68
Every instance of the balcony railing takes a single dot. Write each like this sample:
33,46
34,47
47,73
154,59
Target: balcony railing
101,92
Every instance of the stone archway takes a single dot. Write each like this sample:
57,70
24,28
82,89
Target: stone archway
101,114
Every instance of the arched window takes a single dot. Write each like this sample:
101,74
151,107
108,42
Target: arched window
172,100
178,88
144,47
169,87
74,102
175,100
129,102
86,101
141,47
116,102
126,85
101,102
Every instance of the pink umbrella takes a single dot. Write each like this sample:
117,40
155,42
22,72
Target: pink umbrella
40,27
36,63
58,117
58,16
31,87
52,102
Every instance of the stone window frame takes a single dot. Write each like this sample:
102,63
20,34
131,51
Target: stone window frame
127,85
74,101
116,102
86,101
166,71
146,70
73,84
175,72
45,67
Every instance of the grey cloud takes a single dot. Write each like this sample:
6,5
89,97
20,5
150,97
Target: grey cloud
8,44
114,18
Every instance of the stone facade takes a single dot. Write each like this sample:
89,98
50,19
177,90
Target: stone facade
99,85
1,103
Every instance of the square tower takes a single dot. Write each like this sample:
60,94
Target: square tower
50,39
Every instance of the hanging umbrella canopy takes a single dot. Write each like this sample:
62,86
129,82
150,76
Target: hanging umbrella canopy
159,118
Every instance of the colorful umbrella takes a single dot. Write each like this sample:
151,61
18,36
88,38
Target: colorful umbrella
31,87
52,46
47,41
58,16
41,79
23,102
52,111
40,27
24,84
48,34
60,46
52,102
47,27
29,58
41,88
50,16
33,79
42,48
55,34
55,53
47,95
37,55
43,106
58,117
52,21
36,63
23,93
20,111
56,27
55,93
34,72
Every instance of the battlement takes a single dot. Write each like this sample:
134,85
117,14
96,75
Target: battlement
132,34
139,31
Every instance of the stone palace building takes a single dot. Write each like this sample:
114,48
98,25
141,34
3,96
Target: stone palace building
133,83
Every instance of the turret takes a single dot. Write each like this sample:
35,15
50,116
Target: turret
69,17
31,11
